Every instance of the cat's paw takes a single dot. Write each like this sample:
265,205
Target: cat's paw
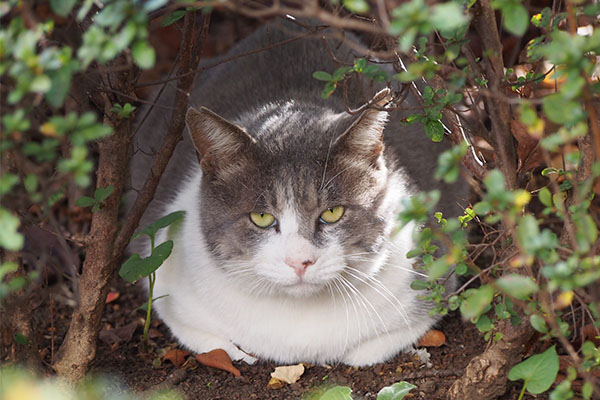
238,355
377,350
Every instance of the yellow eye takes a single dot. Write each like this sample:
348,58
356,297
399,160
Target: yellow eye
332,215
262,220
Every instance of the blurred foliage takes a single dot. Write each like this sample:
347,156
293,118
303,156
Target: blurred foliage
19,384
37,72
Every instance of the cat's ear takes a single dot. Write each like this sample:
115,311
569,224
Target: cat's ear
222,146
364,138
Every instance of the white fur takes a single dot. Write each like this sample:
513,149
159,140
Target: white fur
289,319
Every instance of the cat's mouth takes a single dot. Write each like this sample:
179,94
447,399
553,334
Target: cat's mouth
301,288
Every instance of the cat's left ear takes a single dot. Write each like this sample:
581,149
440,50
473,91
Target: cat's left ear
364,138
222,147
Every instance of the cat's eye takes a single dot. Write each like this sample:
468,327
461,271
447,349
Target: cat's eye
332,215
262,220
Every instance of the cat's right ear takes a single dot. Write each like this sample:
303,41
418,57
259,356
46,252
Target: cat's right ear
221,146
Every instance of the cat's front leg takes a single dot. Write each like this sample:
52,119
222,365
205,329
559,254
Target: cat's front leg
380,348
201,342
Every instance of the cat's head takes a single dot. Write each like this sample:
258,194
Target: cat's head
300,205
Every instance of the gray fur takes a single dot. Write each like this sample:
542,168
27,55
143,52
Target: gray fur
236,90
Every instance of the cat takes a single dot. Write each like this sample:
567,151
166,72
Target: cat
289,249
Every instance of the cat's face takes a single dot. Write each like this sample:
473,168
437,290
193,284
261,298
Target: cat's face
289,215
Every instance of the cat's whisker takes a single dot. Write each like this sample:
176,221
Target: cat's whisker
342,286
398,266
335,176
365,302
361,305
397,304
347,335
326,163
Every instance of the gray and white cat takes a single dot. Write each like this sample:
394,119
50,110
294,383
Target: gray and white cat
288,250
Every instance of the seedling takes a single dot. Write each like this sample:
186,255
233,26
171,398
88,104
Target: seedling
124,111
136,267
100,195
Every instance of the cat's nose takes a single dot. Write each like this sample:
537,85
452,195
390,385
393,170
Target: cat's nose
298,265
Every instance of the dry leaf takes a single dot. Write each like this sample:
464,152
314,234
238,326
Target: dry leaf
274,383
529,152
123,334
433,338
590,332
218,358
112,296
288,373
563,300
176,356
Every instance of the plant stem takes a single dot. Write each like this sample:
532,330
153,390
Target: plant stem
522,391
151,279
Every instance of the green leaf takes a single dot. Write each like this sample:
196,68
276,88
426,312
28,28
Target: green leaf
518,286
538,323
482,208
41,84
322,76
356,6
31,183
7,267
538,372
418,284
434,130
336,393
328,90
516,18
173,17
587,390
143,55
62,7
448,16
484,324
476,300
10,238
7,182
560,110
549,171
85,201
438,268
545,197
102,193
397,391
21,339
152,5
360,64
61,82
159,224
144,307
136,267
542,20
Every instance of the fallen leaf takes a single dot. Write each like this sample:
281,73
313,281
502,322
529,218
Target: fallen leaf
176,356
112,296
563,300
433,338
590,332
274,383
288,373
218,358
529,152
123,334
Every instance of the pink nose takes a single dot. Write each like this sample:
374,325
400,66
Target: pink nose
299,266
